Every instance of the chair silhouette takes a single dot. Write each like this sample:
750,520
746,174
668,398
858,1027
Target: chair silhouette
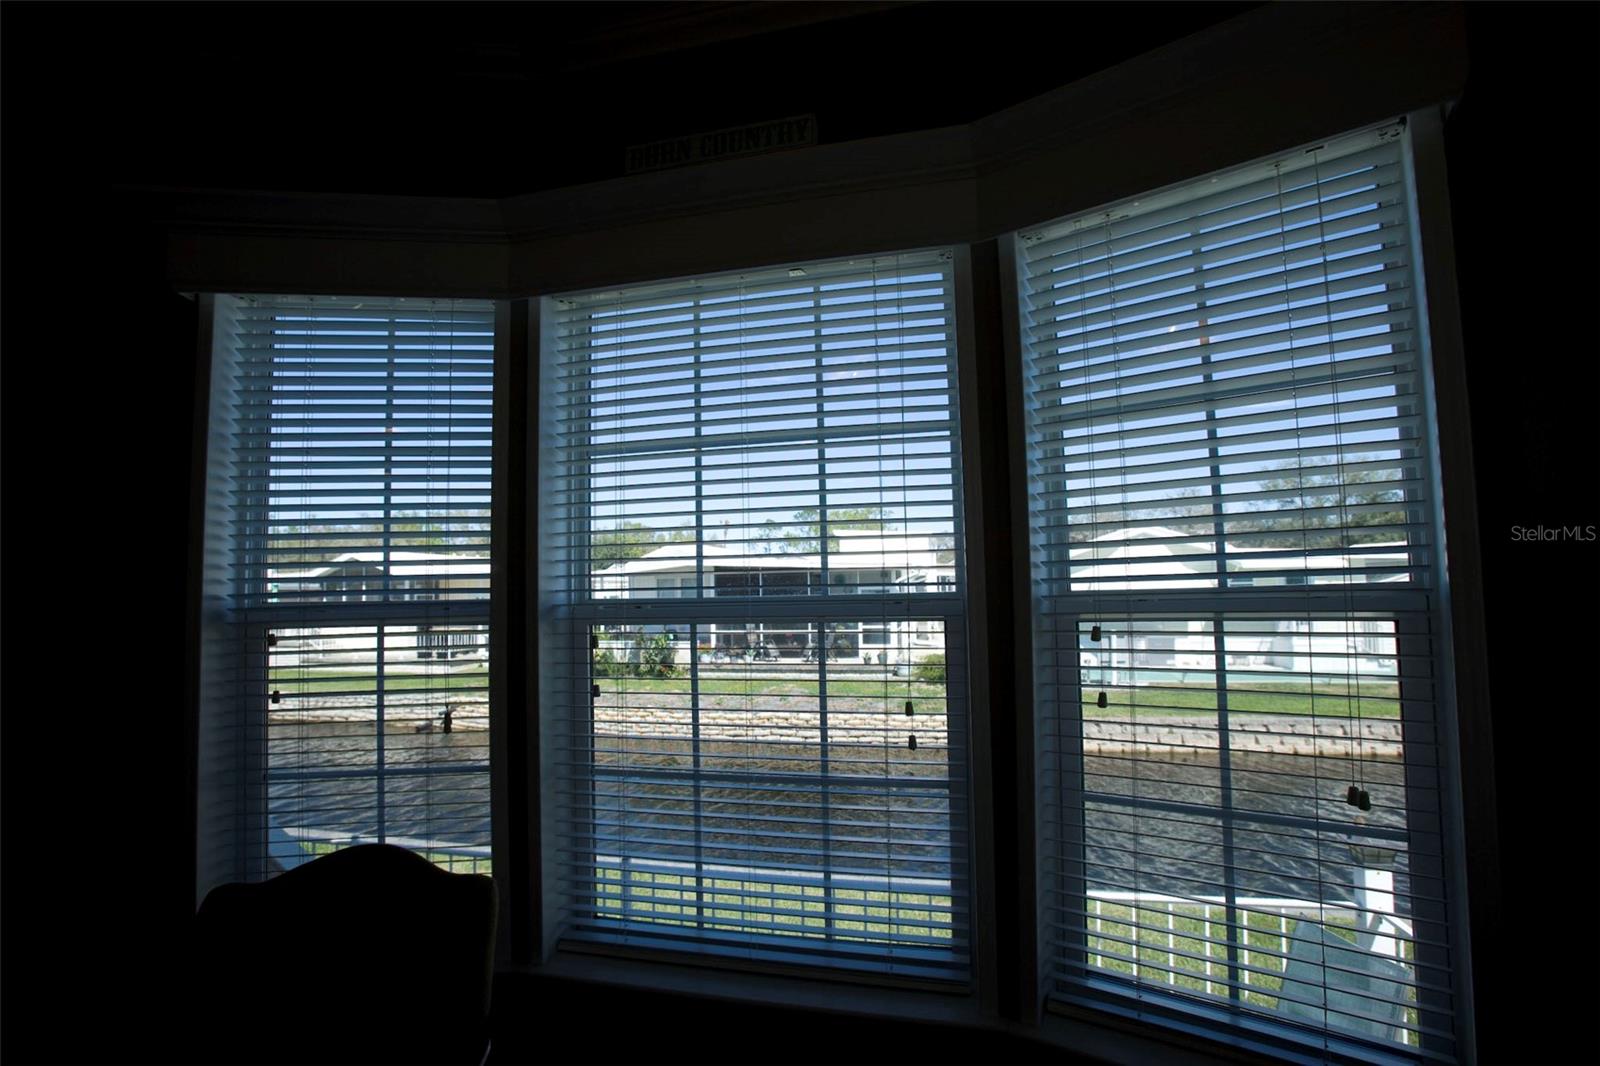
368,954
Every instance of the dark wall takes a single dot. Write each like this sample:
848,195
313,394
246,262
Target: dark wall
97,388
98,385
1522,149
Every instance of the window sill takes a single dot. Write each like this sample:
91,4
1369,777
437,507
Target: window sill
864,997
1081,1034
1119,1040
1133,1032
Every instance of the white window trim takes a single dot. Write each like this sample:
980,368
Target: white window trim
565,619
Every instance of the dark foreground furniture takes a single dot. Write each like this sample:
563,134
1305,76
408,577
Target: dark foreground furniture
369,954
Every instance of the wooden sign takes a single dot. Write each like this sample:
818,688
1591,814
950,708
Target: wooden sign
776,136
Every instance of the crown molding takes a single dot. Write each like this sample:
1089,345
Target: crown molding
1186,108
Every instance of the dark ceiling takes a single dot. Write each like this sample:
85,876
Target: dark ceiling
498,99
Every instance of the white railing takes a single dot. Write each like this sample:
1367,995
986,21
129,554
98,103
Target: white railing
1121,924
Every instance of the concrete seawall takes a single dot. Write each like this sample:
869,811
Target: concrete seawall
864,722
402,711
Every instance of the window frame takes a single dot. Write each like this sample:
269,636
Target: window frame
242,611
949,606
1441,386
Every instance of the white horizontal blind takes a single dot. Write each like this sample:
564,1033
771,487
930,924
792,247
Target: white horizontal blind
764,746
359,492
364,426
1227,377
1229,500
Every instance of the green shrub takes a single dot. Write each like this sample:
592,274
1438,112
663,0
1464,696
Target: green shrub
930,669
606,665
658,657
646,657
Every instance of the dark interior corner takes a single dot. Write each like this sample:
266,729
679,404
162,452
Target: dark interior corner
1531,82
99,397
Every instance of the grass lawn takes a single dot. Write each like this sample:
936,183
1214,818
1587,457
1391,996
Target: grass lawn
733,686
319,680
1334,699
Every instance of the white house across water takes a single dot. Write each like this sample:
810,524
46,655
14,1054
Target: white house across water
861,563
899,565
376,576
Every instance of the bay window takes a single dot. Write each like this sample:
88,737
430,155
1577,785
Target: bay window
736,722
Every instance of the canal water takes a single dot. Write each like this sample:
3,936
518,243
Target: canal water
1143,828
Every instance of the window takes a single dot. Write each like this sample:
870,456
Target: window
1237,644
347,695
774,784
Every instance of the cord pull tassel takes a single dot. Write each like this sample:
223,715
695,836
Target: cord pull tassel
1100,700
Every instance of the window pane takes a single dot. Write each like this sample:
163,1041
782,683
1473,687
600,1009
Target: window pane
1227,394
754,435
364,448
743,786
1218,835
366,747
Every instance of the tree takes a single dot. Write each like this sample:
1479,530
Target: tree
630,540
413,529
1333,501
810,527
1189,510
770,535
320,543
1304,503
